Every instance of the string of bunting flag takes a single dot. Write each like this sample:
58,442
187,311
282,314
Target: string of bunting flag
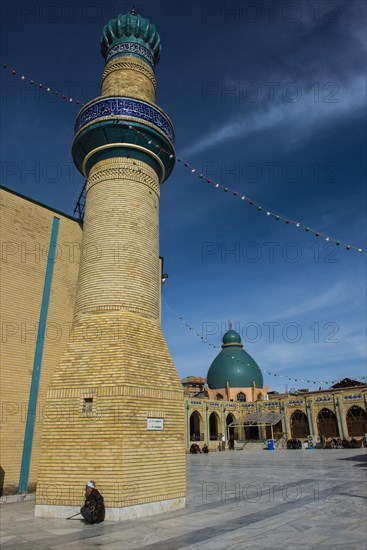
271,213
48,89
260,208
283,376
203,177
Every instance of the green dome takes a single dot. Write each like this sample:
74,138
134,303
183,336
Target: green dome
234,365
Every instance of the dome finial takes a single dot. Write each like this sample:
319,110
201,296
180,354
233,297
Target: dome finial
133,11
231,338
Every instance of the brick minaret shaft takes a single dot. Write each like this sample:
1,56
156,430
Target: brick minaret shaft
121,225
116,372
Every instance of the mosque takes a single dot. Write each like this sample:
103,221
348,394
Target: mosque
234,402
85,368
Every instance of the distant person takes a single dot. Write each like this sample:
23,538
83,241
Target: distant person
93,510
223,439
322,441
205,448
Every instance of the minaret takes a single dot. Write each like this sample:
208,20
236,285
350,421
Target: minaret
115,410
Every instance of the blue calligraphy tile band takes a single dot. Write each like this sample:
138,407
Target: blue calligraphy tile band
130,48
124,127
124,107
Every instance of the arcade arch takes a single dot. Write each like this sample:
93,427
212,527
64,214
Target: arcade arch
196,427
299,425
356,421
327,423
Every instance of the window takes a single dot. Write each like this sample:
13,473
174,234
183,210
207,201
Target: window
241,396
88,404
219,396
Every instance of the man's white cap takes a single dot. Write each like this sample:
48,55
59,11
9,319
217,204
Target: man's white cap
91,484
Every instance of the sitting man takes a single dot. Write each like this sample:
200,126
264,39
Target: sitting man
93,510
193,450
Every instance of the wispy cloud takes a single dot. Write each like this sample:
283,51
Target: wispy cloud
327,299
301,119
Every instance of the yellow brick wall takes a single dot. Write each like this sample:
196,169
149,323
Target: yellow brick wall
130,377
25,236
129,76
120,268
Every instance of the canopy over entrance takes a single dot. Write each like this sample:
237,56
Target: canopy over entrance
258,419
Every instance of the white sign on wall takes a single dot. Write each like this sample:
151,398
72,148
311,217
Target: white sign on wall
155,424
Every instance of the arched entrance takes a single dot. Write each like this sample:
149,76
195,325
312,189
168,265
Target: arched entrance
252,432
356,421
299,425
213,426
195,427
231,431
327,423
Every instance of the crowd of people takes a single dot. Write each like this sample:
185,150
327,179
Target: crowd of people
333,443
338,443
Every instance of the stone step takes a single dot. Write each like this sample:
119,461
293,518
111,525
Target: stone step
250,445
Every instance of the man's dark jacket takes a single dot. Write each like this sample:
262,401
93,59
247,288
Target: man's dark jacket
94,503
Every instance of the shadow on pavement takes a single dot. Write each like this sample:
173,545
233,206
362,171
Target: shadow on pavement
362,459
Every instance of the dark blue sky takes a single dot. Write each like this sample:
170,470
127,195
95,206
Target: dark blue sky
268,98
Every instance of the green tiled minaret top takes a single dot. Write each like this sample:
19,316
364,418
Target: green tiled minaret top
131,35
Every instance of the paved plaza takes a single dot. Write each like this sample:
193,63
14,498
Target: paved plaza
241,499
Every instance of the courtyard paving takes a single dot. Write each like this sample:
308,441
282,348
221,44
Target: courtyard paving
292,499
